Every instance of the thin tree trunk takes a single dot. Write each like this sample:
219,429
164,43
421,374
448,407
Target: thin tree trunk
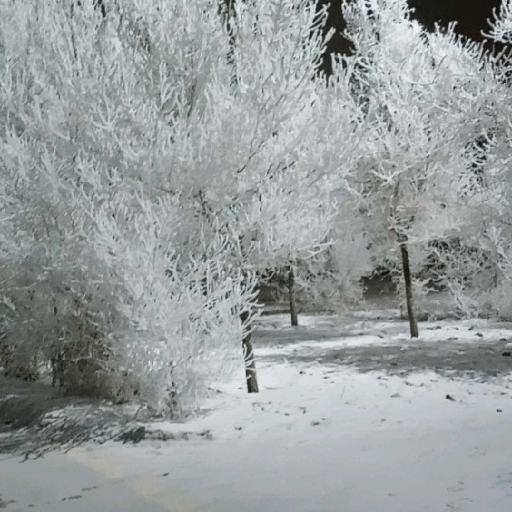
411,313
293,299
250,363
99,4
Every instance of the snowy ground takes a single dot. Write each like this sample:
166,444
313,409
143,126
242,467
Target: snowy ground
352,416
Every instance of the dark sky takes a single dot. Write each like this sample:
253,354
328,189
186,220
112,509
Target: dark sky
471,16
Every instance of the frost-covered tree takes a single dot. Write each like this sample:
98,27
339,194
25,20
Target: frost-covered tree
474,262
283,214
501,23
328,158
418,88
154,156
331,277
477,265
97,266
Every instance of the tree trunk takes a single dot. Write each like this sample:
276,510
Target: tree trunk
250,364
413,321
293,299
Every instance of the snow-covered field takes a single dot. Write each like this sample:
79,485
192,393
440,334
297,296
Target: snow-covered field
352,416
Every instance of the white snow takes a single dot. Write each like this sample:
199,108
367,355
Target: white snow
326,438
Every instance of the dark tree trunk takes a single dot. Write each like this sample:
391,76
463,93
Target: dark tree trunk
293,299
99,4
250,363
411,313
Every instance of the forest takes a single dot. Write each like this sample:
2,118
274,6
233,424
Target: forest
162,161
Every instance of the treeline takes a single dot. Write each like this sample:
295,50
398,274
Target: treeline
158,160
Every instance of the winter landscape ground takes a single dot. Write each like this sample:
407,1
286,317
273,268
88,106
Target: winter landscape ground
352,416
